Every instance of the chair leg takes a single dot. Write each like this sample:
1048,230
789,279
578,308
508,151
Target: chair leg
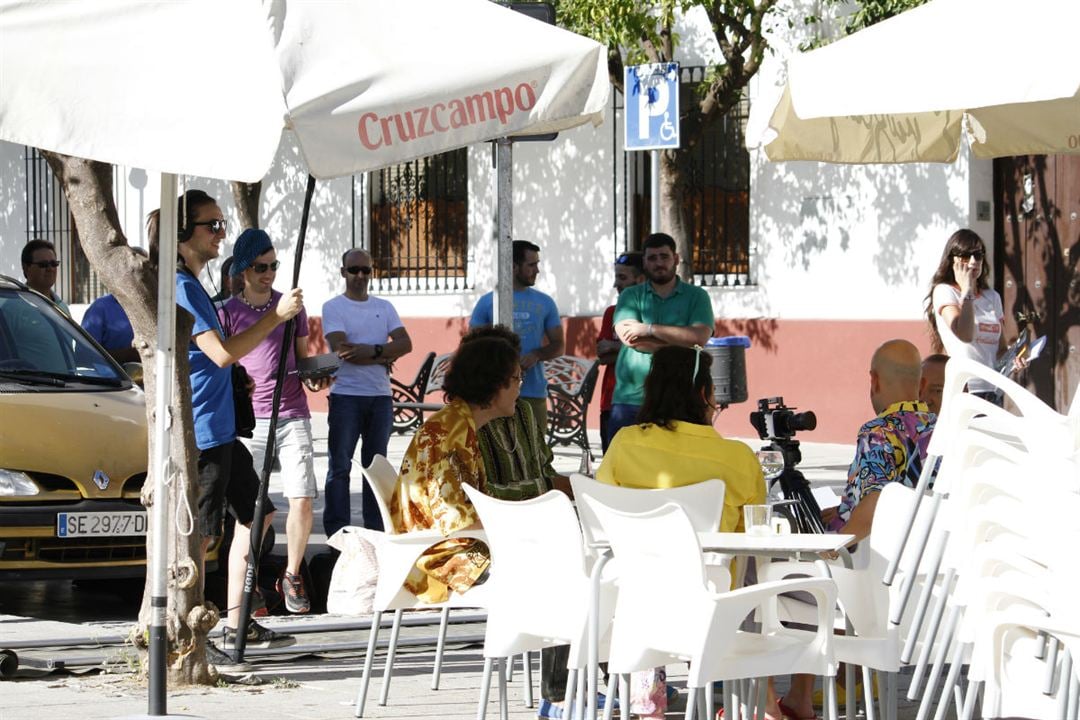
508,666
1064,688
744,699
582,686
950,681
390,653
850,701
939,663
613,694
1051,665
831,712
691,702
526,660
369,659
504,707
624,693
763,697
1074,698
892,682
710,702
440,646
931,638
571,687
702,703
868,692
969,701
485,689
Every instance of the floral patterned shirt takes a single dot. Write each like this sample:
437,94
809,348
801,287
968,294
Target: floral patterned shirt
890,448
443,456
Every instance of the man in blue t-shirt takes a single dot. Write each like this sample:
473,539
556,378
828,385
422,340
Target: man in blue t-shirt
227,478
536,321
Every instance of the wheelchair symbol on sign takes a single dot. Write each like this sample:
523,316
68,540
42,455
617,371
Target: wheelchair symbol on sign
667,130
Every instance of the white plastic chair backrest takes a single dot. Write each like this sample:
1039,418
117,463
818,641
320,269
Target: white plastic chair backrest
660,560
968,448
703,502
534,543
382,477
1053,429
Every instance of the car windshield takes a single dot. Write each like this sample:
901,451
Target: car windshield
39,342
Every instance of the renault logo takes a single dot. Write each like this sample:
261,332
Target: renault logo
101,479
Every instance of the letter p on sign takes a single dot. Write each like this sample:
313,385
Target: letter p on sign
652,106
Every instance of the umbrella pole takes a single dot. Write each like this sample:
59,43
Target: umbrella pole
164,361
268,456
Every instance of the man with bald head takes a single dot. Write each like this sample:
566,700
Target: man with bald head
892,446
367,334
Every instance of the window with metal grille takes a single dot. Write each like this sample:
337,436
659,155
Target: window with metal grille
717,196
48,218
419,224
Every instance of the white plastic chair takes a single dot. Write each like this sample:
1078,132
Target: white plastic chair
1042,429
874,643
535,545
665,613
397,554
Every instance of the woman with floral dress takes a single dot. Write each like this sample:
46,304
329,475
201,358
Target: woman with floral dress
482,384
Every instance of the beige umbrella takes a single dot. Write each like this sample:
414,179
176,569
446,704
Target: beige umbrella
1005,73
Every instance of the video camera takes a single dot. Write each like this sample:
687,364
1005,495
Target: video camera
777,423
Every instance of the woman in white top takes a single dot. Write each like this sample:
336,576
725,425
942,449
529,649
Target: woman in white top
965,315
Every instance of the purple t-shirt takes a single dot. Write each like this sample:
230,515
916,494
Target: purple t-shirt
261,363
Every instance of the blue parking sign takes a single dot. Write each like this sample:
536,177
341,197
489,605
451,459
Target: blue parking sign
651,106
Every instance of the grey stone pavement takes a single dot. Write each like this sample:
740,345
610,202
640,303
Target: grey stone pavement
321,677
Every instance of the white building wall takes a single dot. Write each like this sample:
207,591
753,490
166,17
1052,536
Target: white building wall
827,242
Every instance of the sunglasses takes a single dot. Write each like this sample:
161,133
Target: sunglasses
215,226
978,255
46,264
353,269
260,268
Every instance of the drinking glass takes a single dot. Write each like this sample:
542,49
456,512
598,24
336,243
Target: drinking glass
757,519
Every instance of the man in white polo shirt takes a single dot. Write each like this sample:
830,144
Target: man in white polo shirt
367,334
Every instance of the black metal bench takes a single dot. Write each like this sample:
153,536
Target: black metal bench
571,381
409,403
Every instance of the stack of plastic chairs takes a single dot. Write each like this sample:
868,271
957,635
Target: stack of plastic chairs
988,546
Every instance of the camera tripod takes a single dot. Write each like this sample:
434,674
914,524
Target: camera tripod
799,506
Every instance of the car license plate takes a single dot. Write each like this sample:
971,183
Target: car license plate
100,524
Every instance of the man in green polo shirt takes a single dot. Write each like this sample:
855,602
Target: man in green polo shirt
663,311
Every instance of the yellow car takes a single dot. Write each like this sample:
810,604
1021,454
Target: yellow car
73,449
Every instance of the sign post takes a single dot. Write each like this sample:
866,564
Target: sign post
652,119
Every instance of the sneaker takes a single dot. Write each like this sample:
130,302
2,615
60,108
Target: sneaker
220,660
257,637
292,589
551,711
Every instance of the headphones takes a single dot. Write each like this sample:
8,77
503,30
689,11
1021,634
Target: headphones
184,234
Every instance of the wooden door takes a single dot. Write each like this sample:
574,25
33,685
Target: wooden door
1037,241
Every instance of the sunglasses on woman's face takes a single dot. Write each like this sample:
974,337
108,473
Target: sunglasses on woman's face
260,268
977,254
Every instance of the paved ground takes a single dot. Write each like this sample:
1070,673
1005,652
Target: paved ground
319,683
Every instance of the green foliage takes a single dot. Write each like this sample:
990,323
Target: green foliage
864,14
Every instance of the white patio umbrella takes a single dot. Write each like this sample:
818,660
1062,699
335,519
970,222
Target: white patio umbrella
206,87
1004,72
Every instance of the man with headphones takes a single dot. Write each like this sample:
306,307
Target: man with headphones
227,478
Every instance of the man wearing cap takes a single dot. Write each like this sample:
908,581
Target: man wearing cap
628,271
663,311
366,333
255,264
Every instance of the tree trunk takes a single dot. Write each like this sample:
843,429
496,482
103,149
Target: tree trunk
673,218
133,280
246,197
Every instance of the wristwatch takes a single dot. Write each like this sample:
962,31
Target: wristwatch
378,352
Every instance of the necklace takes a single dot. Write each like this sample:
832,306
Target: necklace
512,433
259,309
